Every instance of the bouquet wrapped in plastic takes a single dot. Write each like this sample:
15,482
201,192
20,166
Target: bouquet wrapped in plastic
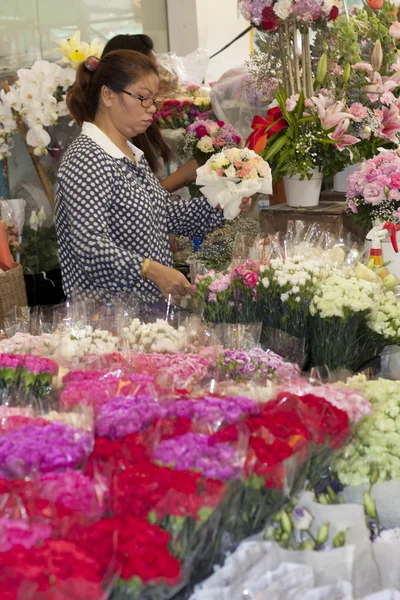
232,175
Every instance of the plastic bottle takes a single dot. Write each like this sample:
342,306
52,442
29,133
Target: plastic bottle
376,251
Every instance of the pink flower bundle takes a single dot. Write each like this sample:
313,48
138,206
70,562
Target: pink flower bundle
373,191
28,373
75,491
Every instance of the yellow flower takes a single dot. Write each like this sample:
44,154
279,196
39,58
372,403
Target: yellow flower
74,51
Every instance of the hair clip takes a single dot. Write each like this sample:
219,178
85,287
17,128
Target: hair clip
91,63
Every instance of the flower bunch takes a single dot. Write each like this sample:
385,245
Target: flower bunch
291,529
386,320
38,98
8,128
193,451
341,309
31,374
176,114
286,289
159,337
240,163
255,364
374,446
268,15
76,343
32,448
178,371
351,401
373,191
204,138
214,291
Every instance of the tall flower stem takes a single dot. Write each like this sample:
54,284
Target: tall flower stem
296,59
285,80
289,59
303,66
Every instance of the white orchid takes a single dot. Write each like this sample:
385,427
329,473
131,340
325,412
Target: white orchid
39,139
34,221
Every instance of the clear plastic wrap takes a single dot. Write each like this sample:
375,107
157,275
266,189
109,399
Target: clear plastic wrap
187,70
236,100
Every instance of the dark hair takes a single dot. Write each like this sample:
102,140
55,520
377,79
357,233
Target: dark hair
152,142
139,43
117,70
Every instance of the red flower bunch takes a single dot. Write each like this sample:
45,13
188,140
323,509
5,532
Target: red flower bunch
130,546
56,570
263,129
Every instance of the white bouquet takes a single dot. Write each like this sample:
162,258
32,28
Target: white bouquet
230,176
74,344
158,337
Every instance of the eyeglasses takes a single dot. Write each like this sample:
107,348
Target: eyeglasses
145,102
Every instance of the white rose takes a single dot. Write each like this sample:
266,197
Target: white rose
230,171
282,9
205,144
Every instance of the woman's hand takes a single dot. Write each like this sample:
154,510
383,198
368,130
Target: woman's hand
169,281
245,205
190,170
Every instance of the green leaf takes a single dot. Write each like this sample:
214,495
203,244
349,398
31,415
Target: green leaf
276,146
300,106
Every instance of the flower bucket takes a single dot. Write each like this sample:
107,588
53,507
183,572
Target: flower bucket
243,336
389,254
303,193
340,179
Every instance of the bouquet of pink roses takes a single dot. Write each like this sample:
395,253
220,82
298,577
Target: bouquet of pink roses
373,191
230,176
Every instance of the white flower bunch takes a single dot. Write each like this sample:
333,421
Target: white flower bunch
375,444
8,127
338,296
159,337
386,320
293,278
78,343
39,98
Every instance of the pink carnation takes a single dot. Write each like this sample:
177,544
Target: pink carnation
358,111
18,532
221,284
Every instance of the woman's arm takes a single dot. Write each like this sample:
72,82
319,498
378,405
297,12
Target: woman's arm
192,217
181,177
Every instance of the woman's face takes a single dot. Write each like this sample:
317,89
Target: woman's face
127,113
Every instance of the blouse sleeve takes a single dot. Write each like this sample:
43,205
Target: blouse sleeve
88,193
194,217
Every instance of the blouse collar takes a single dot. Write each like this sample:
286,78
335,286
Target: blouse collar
97,135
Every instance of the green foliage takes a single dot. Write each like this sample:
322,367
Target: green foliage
39,250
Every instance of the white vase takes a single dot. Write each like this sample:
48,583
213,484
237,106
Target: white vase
303,193
340,179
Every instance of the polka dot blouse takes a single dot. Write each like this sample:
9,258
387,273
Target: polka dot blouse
111,214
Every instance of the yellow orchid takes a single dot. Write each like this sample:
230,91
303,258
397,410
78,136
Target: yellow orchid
74,51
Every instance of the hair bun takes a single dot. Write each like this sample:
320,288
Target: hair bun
91,63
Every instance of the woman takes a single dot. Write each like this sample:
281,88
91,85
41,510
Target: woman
152,143
112,216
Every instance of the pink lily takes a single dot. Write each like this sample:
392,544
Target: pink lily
379,86
342,138
330,113
390,124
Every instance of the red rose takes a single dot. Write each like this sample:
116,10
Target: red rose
201,131
333,15
269,20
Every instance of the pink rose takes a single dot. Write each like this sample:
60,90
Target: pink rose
353,207
394,30
394,195
395,180
373,194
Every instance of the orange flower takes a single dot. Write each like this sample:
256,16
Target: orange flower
375,4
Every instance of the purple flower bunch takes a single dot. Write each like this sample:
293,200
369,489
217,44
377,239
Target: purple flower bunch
18,532
211,409
193,451
257,363
125,414
43,449
76,491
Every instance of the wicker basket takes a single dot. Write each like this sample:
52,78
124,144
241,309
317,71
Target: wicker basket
12,291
